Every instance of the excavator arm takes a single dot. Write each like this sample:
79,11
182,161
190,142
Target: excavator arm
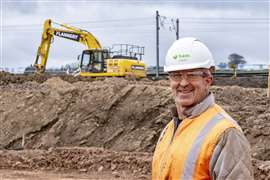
67,32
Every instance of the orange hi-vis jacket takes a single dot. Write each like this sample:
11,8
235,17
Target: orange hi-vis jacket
185,153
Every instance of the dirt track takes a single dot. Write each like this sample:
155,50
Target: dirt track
52,175
124,117
79,162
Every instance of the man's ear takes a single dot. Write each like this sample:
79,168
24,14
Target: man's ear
212,69
210,77
210,80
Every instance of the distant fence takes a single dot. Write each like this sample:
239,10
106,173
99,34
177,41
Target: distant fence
223,73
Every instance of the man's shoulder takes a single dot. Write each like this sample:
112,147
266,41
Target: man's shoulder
227,116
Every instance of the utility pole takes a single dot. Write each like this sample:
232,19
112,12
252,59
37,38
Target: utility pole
177,29
157,40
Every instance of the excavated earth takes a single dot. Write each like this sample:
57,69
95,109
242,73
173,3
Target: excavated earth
106,128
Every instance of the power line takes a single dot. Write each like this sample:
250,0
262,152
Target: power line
220,22
93,27
169,22
220,18
150,19
227,18
113,20
141,19
149,30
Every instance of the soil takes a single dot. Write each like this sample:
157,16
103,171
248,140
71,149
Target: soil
56,175
107,126
76,162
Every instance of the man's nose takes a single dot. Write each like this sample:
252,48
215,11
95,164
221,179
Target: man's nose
183,82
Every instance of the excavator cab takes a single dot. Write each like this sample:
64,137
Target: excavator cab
94,61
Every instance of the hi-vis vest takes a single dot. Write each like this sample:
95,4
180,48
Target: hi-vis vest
185,154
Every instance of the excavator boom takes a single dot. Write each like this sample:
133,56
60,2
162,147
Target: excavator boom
68,32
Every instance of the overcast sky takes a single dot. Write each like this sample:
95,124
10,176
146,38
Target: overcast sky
232,26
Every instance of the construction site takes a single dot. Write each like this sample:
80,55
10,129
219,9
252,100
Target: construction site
101,115
106,128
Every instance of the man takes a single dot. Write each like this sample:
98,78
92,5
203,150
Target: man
202,141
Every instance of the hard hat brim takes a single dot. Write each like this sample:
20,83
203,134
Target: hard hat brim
181,67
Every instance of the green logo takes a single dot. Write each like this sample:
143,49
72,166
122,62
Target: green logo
181,56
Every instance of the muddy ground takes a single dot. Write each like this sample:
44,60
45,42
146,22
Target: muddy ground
109,125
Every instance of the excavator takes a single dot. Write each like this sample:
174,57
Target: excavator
121,60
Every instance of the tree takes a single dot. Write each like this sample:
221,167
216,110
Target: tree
234,61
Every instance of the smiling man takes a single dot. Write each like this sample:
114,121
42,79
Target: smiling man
202,141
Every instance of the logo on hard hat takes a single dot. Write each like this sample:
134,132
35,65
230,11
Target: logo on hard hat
181,56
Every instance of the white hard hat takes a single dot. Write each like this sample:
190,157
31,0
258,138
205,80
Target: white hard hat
188,53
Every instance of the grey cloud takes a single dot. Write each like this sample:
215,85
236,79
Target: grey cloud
23,7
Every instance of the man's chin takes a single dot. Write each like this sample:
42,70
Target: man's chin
184,103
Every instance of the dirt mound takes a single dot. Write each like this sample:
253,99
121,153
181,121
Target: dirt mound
79,159
107,113
9,78
114,113
247,82
4,74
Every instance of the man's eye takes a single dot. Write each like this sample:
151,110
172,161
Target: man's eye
194,74
191,75
177,75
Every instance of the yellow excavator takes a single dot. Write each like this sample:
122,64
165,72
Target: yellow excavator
121,60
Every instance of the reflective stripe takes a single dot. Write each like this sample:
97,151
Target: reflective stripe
162,133
193,155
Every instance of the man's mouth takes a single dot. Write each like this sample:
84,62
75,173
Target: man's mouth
185,91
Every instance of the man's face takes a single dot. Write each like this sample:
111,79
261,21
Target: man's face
190,87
